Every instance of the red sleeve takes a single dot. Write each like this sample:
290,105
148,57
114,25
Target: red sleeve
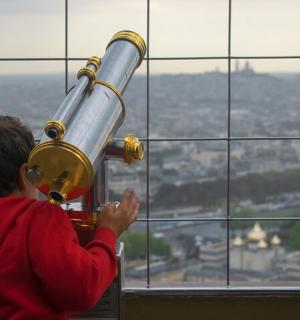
72,277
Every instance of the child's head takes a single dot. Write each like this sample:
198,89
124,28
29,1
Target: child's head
16,142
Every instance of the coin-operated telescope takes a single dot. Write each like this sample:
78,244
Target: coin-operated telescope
71,159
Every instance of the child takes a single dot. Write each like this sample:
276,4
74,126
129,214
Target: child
44,272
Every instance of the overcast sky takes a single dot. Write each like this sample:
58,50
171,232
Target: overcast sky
35,28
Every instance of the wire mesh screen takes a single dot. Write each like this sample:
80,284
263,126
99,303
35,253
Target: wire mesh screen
217,109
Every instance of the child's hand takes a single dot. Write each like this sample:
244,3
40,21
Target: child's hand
119,219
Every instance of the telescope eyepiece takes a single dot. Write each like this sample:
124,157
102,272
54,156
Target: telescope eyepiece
52,133
55,197
55,129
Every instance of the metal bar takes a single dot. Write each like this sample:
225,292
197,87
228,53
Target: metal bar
218,219
181,219
263,138
155,58
265,57
228,146
32,59
186,139
219,139
215,291
207,139
225,57
187,58
147,152
66,47
266,219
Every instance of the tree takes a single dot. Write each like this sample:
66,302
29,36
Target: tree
294,237
136,243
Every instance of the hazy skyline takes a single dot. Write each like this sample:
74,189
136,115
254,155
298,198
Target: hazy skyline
191,28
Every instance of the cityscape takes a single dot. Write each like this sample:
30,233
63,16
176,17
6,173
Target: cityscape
188,178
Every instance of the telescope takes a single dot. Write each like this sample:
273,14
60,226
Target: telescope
71,159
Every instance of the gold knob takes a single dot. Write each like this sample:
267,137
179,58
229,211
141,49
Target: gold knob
133,149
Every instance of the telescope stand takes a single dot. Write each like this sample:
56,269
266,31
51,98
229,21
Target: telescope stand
109,306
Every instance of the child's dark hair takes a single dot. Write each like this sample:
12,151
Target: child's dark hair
16,142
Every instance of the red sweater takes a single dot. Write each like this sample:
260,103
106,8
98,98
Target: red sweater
44,272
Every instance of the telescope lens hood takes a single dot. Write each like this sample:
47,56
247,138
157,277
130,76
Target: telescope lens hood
132,37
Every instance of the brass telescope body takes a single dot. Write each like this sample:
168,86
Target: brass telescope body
70,160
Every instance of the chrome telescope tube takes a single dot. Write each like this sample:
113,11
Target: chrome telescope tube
121,60
104,108
56,128
64,167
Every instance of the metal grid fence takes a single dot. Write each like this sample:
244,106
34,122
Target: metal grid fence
228,219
